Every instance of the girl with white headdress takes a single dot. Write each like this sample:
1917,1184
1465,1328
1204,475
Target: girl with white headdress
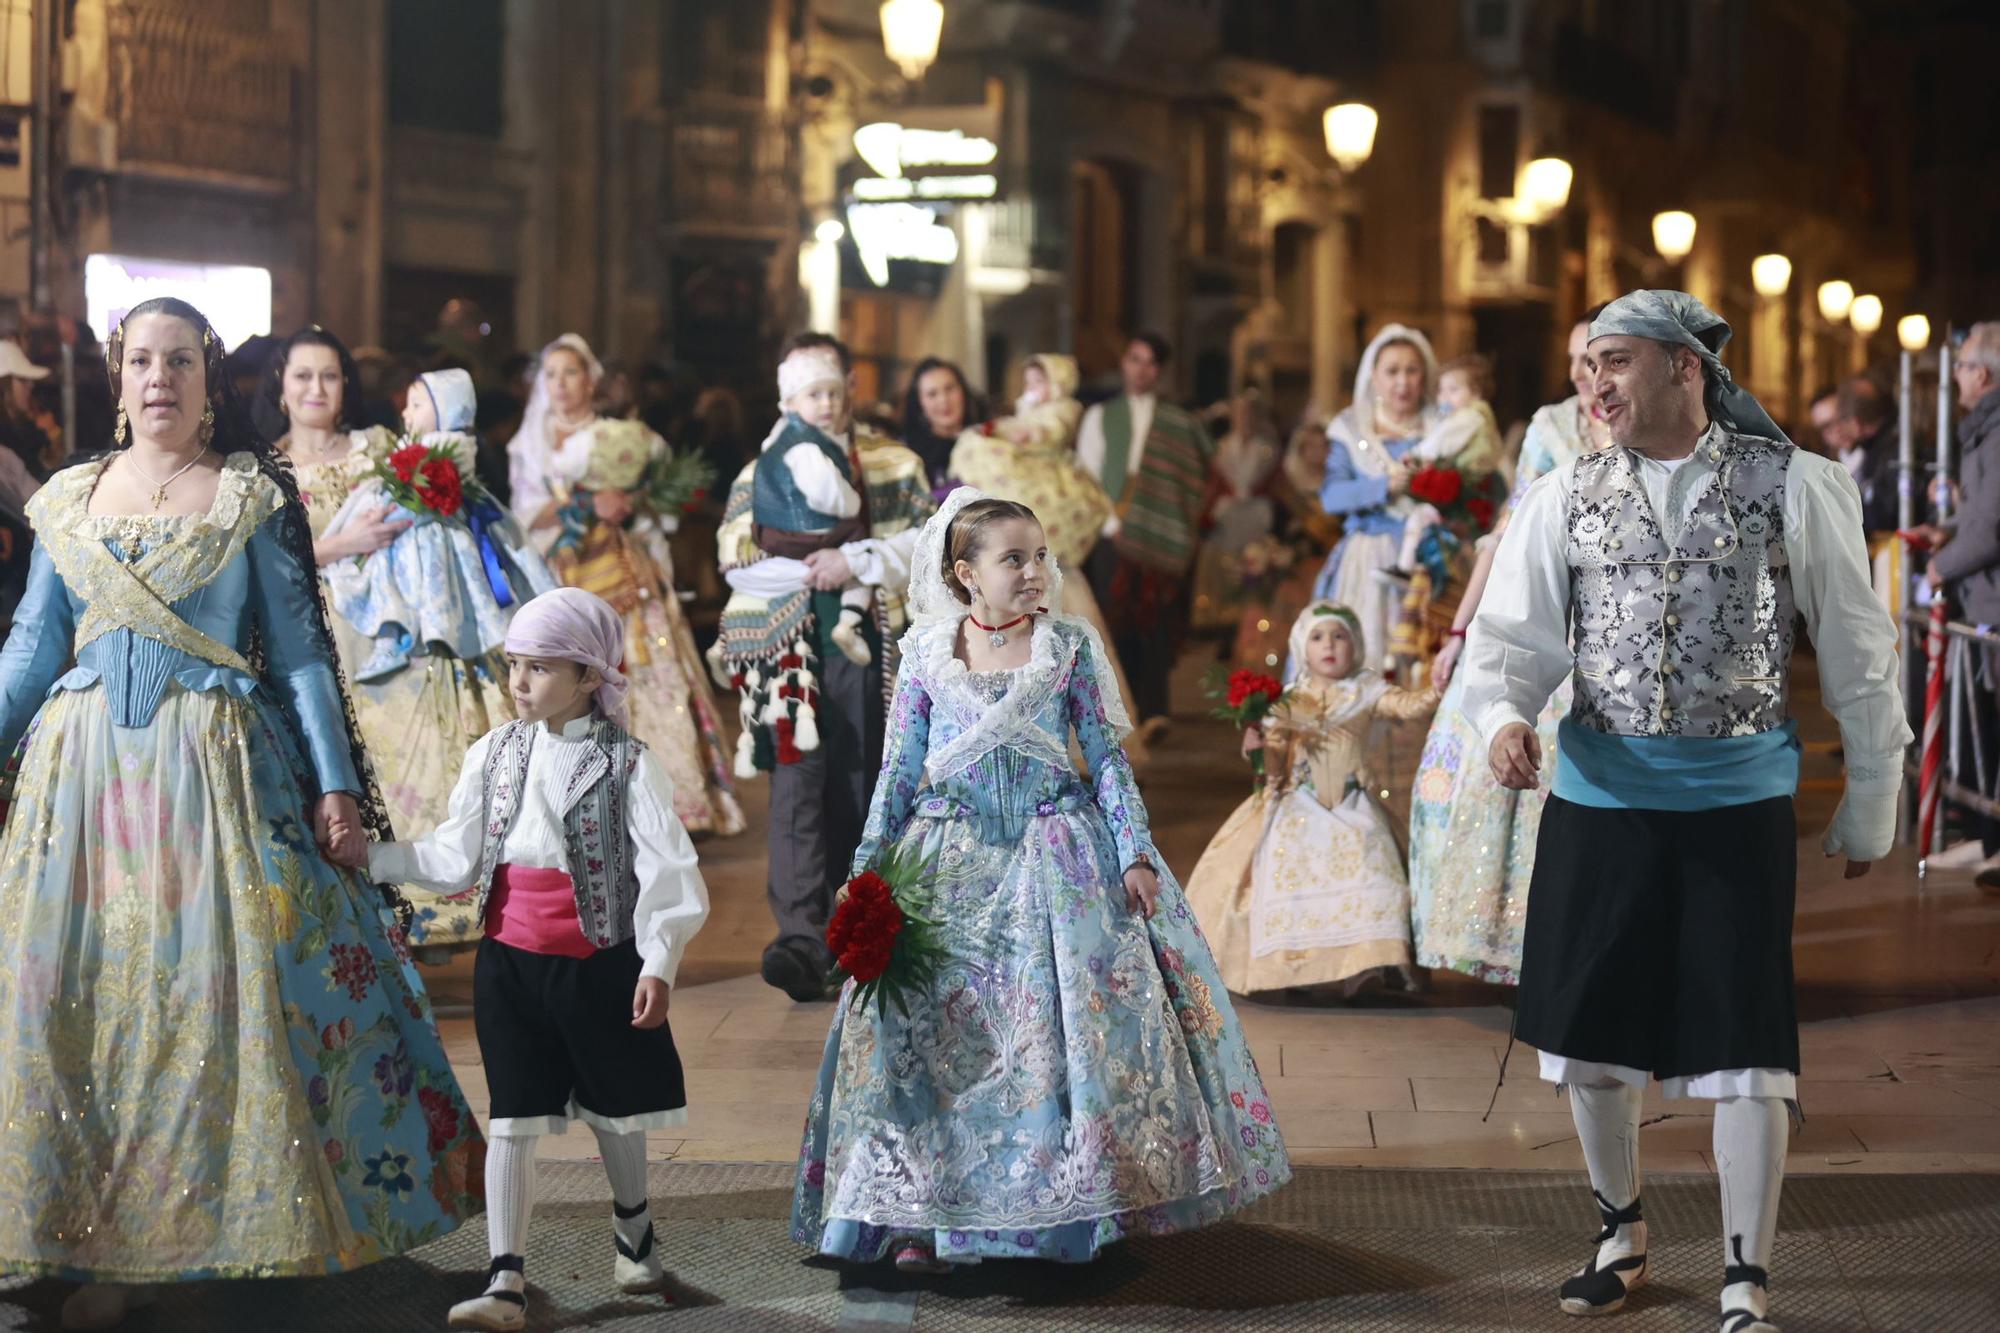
1074,1072
1304,884
1367,480
579,485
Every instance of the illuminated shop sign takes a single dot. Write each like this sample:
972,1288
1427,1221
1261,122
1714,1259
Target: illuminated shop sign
883,232
877,189
236,298
923,164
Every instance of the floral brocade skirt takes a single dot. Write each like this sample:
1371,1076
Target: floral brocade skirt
1073,1074
668,699
1472,846
215,1057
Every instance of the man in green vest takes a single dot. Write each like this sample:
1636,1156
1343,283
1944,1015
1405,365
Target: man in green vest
1152,459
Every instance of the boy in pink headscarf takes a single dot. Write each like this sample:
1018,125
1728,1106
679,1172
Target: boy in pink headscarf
564,824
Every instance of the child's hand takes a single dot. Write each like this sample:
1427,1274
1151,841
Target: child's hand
337,830
1253,740
611,506
649,1003
1142,890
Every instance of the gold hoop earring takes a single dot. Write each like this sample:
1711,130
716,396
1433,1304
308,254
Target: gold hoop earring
118,432
207,424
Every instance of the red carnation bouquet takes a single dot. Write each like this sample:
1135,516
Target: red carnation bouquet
880,934
1248,698
429,480
1447,488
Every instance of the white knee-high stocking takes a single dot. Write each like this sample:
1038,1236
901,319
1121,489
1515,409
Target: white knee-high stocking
625,1163
510,1198
1750,1139
1607,1123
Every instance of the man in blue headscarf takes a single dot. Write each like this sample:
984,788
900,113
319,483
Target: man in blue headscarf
1665,575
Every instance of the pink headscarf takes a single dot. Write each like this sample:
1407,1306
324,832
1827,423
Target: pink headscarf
572,625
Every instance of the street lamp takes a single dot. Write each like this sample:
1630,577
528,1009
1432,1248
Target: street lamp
1545,185
829,231
1350,133
910,33
1771,275
1913,332
1835,298
1865,314
1673,235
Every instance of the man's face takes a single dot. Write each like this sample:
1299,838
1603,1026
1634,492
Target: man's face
1835,431
1140,368
1974,381
1639,386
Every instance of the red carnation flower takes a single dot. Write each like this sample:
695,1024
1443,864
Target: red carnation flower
1481,510
1436,485
406,460
1243,684
442,489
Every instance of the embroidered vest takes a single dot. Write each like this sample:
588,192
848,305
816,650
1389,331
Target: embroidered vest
597,843
776,501
1688,635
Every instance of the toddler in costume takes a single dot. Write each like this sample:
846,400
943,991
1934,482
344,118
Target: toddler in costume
590,893
1468,427
815,490
1304,884
1073,1072
450,581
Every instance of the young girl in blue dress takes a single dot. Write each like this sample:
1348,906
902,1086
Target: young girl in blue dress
1073,1073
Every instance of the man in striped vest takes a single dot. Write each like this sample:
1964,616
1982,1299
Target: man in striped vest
1152,459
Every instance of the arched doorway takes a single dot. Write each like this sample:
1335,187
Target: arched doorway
1104,289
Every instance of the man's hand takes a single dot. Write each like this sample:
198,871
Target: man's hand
649,1003
1516,757
829,569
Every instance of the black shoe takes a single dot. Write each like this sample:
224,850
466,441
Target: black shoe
1740,1320
793,974
1595,1290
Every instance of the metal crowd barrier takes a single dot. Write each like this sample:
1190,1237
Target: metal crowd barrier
1959,737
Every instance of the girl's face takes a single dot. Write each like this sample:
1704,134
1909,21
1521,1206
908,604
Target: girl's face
550,688
419,416
312,386
1329,650
567,380
943,401
162,381
1580,377
1010,571
1399,379
822,405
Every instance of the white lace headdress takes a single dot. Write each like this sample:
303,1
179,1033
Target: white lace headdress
528,452
933,639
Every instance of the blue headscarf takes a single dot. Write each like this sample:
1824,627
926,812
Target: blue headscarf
1677,319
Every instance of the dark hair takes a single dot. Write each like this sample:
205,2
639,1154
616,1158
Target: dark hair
917,434
1476,367
1162,350
232,434
274,378
967,533
1821,394
799,342
1589,316
1864,400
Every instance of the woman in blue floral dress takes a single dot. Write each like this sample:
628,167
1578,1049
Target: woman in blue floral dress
215,1058
1074,1072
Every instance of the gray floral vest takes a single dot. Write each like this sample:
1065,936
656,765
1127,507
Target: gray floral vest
597,842
1689,635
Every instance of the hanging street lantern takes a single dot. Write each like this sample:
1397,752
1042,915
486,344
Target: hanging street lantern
1350,133
1771,275
1545,185
910,33
1865,314
1673,235
1835,298
1913,332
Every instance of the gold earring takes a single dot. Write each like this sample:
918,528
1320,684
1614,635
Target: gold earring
207,424
118,433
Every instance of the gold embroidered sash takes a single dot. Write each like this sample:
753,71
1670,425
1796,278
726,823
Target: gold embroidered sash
139,595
